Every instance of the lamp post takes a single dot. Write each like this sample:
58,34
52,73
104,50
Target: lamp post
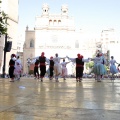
7,48
4,62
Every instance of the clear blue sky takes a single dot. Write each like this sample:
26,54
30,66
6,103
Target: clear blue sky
94,15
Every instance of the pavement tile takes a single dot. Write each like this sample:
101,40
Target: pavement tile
30,99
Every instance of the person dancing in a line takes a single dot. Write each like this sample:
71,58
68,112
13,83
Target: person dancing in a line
103,63
42,59
57,66
113,68
64,69
79,66
12,67
36,72
99,68
51,68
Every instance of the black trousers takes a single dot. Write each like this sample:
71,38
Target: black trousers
42,71
11,71
79,72
36,72
51,71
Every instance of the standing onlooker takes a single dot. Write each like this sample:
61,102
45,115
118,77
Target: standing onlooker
17,70
20,64
12,67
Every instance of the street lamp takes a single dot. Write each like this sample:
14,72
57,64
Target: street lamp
7,48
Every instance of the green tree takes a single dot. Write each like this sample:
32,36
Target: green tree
3,22
89,65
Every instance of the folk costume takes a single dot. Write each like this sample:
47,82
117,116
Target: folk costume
64,69
99,68
12,67
113,68
36,71
103,63
51,67
79,66
18,61
42,59
17,70
57,67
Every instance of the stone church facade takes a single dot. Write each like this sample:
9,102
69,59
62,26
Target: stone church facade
53,33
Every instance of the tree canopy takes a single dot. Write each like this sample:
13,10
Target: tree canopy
3,22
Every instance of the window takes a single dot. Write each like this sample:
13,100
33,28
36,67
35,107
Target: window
112,41
59,22
55,22
50,22
31,43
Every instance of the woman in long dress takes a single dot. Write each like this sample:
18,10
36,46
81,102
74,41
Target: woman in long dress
99,68
17,70
113,68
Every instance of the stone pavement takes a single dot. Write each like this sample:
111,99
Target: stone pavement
29,99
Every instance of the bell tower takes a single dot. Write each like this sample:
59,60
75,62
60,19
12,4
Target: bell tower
64,10
45,10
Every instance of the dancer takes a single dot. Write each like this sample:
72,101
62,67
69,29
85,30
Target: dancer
12,67
57,66
79,66
17,70
51,67
99,69
64,69
103,63
113,69
42,59
118,68
94,67
36,72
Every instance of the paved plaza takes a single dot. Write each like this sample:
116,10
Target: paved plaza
30,99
